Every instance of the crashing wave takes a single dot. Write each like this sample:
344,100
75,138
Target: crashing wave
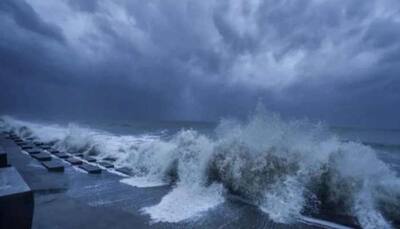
287,168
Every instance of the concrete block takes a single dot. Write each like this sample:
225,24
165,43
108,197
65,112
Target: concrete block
74,161
62,155
34,151
90,168
78,154
16,200
111,159
53,151
90,159
42,156
39,143
46,147
106,164
23,144
54,165
25,147
3,158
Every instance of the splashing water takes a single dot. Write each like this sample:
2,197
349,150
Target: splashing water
287,168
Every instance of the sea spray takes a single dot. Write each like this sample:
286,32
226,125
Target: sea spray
287,168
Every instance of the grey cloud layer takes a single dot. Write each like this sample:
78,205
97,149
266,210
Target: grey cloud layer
331,60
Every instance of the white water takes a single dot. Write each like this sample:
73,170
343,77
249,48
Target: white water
143,182
186,202
276,164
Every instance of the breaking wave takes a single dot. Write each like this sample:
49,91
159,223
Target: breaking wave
287,168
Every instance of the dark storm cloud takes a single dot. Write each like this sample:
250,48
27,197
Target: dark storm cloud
337,61
27,18
87,5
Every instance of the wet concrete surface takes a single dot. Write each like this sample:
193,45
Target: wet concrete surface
75,199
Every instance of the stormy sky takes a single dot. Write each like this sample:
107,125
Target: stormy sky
337,61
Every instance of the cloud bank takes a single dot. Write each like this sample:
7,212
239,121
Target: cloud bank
331,60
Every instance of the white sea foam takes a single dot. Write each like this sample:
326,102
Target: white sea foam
285,167
143,182
186,202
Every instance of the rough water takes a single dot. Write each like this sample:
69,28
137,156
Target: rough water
290,169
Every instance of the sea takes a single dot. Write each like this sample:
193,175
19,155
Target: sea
289,170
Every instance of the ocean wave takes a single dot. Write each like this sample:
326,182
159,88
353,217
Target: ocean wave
287,168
